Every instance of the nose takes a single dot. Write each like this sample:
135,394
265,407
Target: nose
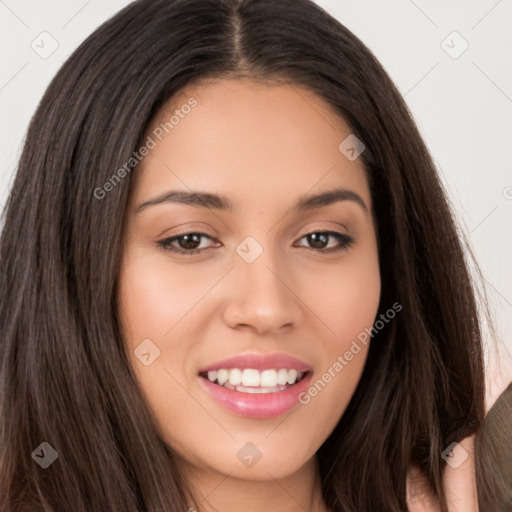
266,297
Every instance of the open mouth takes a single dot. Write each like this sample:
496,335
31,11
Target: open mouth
250,380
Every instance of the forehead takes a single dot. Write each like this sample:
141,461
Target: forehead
249,140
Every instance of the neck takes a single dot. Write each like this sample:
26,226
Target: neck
299,491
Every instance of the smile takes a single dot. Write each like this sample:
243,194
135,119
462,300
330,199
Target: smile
250,380
256,386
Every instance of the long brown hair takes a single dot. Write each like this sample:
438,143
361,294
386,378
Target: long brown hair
493,455
64,376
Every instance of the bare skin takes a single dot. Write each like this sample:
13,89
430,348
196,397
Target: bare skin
264,147
459,481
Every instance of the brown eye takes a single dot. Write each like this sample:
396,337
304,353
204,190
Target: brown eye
184,244
319,240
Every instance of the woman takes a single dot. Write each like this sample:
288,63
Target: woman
193,171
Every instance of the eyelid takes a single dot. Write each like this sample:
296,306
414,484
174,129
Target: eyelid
183,231
344,239
165,243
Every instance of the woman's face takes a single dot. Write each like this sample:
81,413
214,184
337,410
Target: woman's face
261,289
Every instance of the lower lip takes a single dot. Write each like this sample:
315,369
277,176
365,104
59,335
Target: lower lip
257,405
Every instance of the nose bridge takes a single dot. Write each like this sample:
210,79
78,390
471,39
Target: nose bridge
263,299
258,267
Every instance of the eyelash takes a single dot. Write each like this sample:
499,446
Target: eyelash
346,241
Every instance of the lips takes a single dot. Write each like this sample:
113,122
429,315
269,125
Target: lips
259,362
256,386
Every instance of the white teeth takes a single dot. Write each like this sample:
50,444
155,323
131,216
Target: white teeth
222,376
268,378
235,377
273,389
292,376
253,381
282,376
250,377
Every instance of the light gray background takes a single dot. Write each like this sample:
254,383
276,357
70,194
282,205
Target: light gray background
461,103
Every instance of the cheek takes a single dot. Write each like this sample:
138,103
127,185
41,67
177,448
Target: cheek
152,301
346,298
152,298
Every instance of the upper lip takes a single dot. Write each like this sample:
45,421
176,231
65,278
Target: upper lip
259,362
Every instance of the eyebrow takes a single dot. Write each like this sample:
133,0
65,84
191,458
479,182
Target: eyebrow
218,202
